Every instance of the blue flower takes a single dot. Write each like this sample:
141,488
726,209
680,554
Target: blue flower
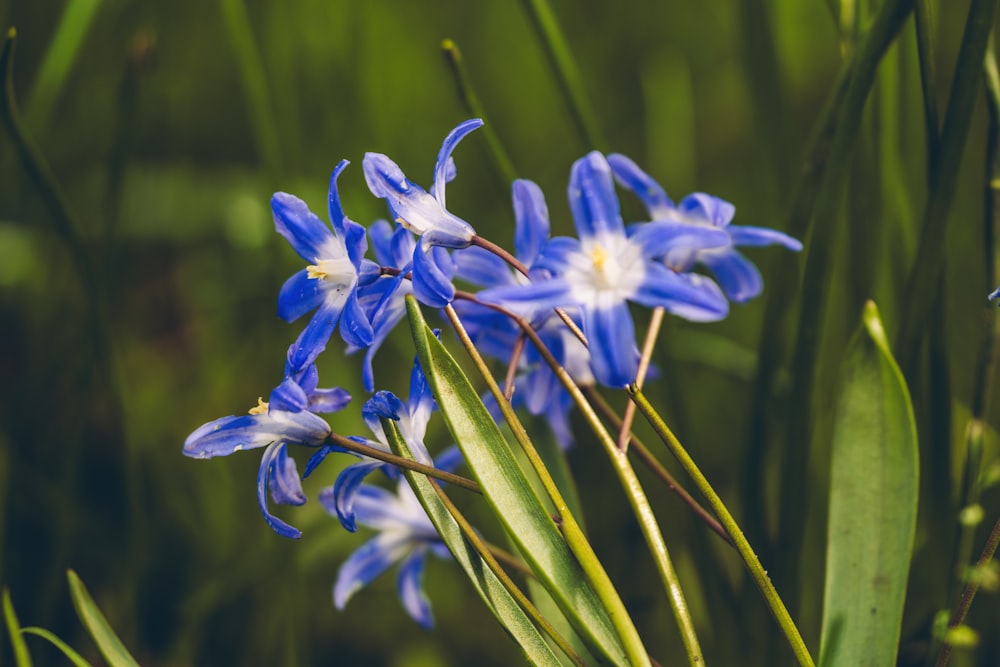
606,268
411,417
328,284
995,295
739,278
425,214
287,418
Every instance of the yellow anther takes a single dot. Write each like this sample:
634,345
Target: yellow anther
315,271
598,256
260,408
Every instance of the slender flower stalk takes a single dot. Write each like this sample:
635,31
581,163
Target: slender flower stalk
746,552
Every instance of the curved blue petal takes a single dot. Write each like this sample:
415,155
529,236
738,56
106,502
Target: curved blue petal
592,198
557,255
368,562
328,400
276,524
355,328
738,277
551,293
380,509
409,585
336,211
531,220
288,396
313,339
384,404
431,285
403,245
689,295
355,241
743,235
299,295
232,434
420,404
339,499
995,294
613,354
318,457
449,459
660,237
705,207
284,481
305,232
441,171
481,267
649,192
380,234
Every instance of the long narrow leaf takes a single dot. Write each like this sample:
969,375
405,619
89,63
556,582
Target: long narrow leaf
107,641
67,650
873,505
512,497
489,587
21,656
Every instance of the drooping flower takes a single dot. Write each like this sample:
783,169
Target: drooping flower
329,284
425,214
606,268
739,278
287,418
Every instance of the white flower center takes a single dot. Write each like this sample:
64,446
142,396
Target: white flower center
610,269
338,270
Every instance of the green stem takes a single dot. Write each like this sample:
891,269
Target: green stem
655,322
403,462
566,72
575,538
502,164
746,552
486,552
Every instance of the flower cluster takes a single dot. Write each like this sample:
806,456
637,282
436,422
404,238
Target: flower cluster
548,284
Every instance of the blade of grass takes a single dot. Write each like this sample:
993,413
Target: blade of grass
97,625
67,650
21,656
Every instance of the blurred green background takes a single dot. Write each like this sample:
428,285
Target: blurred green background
169,125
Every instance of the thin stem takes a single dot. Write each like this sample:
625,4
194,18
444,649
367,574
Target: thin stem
403,462
486,552
501,160
515,360
571,530
510,560
746,552
969,593
642,452
655,322
565,70
924,19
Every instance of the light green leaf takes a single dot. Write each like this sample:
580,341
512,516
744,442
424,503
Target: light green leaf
21,656
514,501
67,650
107,641
873,505
489,587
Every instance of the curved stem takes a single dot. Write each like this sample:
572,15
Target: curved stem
746,552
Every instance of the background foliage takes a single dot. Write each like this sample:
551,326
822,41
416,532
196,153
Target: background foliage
169,125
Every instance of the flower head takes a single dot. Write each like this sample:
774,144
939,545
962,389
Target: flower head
739,278
328,285
605,268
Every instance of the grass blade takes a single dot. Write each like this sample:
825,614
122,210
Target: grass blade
107,641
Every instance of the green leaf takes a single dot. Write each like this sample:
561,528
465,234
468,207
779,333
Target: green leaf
508,491
21,656
67,650
489,587
873,505
107,641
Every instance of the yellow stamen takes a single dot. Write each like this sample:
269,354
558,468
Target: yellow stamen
260,408
598,256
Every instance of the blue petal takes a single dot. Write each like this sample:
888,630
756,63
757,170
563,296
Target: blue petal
368,562
284,481
713,210
743,235
409,585
558,254
318,457
421,402
431,285
355,241
551,293
994,295
336,211
232,434
481,267
355,328
611,334
299,295
449,459
313,339
660,237
689,295
276,524
305,232
592,197
531,220
380,234
288,396
384,404
339,500
328,400
403,244
738,277
628,173
441,171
